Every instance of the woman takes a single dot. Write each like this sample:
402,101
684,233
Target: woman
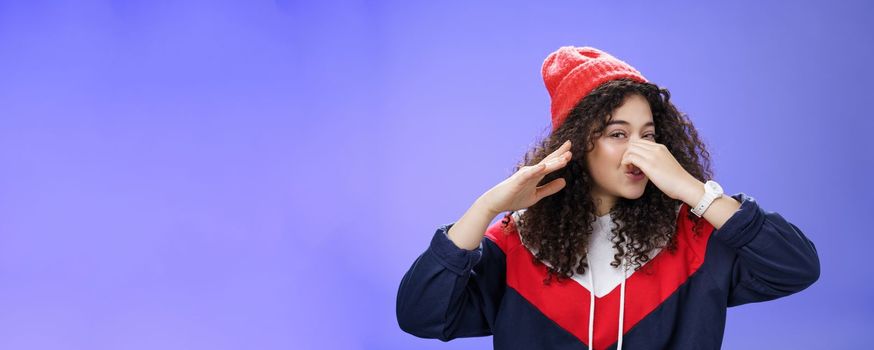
615,233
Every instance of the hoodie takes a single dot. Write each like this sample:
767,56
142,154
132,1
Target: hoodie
677,300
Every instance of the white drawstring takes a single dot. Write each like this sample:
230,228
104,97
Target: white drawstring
621,302
591,304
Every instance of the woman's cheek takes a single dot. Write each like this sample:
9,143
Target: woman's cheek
614,153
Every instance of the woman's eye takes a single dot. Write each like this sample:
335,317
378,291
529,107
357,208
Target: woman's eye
623,134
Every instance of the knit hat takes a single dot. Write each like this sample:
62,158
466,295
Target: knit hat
570,73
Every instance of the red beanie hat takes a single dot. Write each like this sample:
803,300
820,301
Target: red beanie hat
570,73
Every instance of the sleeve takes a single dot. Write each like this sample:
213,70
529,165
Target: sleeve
773,257
450,292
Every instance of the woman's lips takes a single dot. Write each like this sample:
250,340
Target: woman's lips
636,177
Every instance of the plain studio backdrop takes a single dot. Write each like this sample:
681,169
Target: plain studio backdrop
260,174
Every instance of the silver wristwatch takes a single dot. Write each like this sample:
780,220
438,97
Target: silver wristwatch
712,191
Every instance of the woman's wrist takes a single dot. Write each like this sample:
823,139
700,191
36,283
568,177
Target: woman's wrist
693,192
482,206
468,231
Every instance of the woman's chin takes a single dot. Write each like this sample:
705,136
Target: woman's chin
634,192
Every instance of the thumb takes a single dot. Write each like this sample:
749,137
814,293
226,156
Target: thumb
626,161
550,188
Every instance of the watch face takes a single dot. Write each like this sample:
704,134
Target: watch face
715,186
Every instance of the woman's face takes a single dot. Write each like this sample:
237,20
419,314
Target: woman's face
632,120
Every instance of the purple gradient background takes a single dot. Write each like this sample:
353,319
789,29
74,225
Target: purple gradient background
260,174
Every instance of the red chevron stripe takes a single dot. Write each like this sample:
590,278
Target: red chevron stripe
567,302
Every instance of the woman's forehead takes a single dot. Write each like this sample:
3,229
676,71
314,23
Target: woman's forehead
634,112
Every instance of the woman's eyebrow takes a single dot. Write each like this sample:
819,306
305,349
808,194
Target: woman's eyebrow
627,123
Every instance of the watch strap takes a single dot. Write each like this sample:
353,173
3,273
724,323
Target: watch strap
705,202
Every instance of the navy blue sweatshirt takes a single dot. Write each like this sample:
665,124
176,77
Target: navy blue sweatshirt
678,302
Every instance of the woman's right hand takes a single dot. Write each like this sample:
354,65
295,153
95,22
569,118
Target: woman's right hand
521,191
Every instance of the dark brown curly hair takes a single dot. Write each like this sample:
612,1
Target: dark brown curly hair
558,227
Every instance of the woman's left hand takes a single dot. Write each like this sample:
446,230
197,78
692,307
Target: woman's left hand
660,166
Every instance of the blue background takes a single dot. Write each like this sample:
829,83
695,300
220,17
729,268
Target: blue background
260,174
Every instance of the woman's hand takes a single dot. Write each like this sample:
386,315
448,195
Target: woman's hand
521,191
660,166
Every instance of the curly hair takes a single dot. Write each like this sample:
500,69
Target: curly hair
558,227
